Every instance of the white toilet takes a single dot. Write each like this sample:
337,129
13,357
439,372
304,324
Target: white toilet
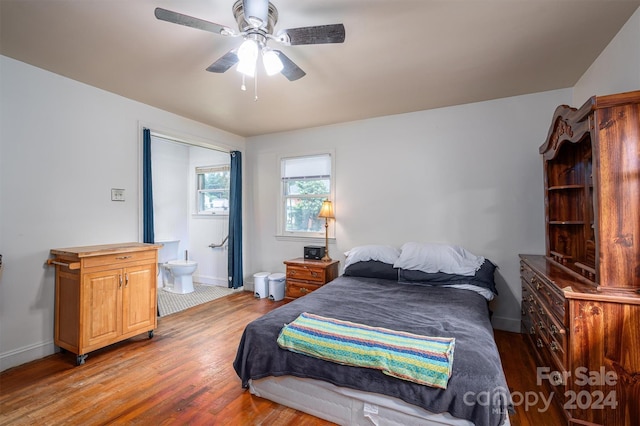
177,275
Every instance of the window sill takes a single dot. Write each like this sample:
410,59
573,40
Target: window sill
209,215
310,239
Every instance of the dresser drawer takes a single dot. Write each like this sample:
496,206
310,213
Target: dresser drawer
555,335
545,291
553,300
117,259
543,316
297,289
306,273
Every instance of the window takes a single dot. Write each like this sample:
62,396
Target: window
212,191
306,183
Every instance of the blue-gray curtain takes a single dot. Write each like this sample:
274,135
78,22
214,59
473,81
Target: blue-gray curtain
235,221
147,191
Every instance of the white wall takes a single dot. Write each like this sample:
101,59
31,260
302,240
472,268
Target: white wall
468,175
617,68
170,170
64,145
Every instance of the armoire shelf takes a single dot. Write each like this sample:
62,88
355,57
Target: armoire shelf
592,191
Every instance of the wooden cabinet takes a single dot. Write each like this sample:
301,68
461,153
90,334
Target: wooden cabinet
305,276
104,294
587,342
592,191
581,300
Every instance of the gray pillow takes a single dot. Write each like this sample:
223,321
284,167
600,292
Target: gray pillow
372,269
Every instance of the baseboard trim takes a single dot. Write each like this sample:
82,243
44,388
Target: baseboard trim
506,324
26,354
209,280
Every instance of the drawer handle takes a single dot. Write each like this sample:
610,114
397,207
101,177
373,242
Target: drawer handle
292,272
126,280
539,343
556,378
538,285
540,325
304,290
120,280
122,257
542,312
314,274
554,329
532,309
532,330
531,298
554,346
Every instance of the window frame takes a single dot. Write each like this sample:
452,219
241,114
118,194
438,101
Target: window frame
202,170
282,233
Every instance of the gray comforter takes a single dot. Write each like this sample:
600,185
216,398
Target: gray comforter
477,390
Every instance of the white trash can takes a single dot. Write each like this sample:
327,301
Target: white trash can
261,285
276,286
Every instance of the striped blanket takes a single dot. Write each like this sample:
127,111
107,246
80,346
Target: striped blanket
407,356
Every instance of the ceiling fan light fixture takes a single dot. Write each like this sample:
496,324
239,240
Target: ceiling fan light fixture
271,60
247,57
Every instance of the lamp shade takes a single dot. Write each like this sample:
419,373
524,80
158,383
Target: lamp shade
326,210
272,63
247,57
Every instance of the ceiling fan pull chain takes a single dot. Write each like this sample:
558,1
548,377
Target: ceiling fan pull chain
255,88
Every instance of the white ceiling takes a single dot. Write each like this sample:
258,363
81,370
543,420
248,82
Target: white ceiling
399,55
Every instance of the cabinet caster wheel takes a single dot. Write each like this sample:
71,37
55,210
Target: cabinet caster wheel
80,359
150,334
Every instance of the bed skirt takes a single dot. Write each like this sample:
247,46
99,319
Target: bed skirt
346,406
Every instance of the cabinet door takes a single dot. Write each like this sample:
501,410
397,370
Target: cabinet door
101,305
139,298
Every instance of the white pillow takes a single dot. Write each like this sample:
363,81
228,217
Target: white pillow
386,254
432,258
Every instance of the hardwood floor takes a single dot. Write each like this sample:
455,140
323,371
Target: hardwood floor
184,376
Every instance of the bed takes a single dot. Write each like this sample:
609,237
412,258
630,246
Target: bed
378,292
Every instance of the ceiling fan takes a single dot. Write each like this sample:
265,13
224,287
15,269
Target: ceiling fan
256,20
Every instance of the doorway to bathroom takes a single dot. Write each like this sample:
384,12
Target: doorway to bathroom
189,201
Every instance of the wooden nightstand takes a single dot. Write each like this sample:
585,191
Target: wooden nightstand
305,276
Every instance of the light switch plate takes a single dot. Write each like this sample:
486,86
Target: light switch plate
117,194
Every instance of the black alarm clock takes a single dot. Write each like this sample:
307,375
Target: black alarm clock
313,252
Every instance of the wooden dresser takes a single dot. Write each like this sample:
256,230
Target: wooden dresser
104,294
305,276
581,300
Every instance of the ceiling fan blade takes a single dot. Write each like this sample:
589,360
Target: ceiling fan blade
290,69
190,21
312,35
223,64
256,12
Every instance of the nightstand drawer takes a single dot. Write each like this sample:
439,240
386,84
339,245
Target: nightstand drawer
306,273
297,289
305,276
